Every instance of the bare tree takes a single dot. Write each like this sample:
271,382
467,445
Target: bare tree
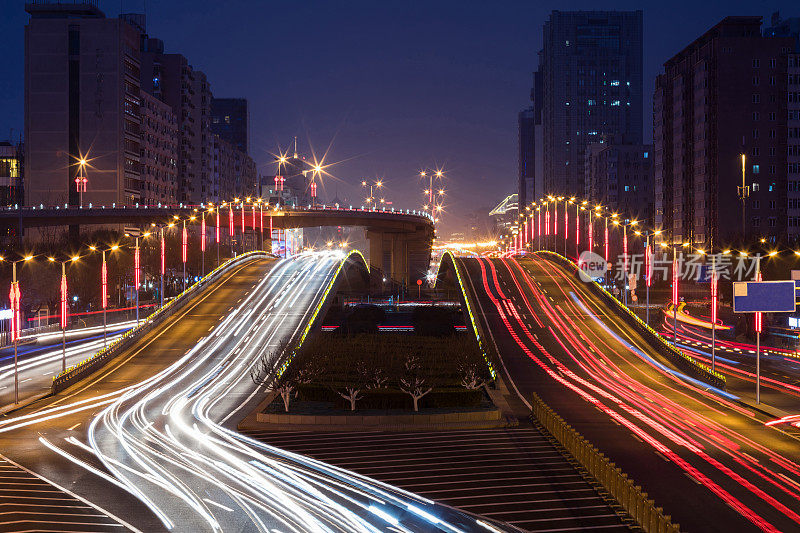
376,377
471,376
414,382
355,383
267,373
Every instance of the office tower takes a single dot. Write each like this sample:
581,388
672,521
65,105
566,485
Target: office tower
229,120
591,73
81,101
719,106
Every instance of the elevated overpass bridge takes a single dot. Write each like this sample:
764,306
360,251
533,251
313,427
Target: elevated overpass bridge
399,240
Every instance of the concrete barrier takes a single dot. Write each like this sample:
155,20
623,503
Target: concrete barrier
88,366
629,495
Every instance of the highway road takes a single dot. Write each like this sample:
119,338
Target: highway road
37,364
710,462
152,442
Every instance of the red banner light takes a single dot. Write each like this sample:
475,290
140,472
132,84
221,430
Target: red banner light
230,219
136,267
184,244
64,309
675,280
589,231
217,227
606,236
14,296
203,234
648,264
104,285
163,254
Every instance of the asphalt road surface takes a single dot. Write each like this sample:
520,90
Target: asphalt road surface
711,463
517,476
154,442
38,364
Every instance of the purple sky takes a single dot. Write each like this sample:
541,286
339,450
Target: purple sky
392,87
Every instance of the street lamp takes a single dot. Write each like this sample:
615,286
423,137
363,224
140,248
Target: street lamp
64,307
81,180
104,287
370,200
15,296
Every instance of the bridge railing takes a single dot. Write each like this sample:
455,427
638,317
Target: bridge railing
616,483
97,361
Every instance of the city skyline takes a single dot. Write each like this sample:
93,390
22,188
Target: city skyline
435,108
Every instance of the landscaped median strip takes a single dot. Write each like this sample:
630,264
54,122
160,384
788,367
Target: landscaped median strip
318,308
701,369
62,379
469,308
616,483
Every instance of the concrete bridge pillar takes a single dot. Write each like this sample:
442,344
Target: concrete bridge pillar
403,257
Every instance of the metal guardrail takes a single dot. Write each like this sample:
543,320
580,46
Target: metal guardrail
629,495
656,340
97,361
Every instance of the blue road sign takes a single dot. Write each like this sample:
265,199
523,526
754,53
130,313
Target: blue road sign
764,296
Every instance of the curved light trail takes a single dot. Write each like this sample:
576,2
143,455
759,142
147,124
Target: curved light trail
166,442
678,417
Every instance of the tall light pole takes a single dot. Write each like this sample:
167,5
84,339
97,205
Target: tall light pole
104,287
14,296
758,337
64,308
370,200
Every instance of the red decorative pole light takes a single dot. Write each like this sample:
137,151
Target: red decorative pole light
589,231
184,245
163,265
217,228
63,298
606,238
14,296
230,219
203,233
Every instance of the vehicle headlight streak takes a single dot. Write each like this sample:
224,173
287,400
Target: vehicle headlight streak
163,440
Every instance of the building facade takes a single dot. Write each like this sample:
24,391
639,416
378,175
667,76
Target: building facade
11,172
233,172
591,72
791,28
620,177
229,120
82,100
159,152
719,117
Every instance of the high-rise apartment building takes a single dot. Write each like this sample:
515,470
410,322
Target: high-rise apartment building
591,72
720,99
171,79
229,120
620,176
791,28
159,152
82,99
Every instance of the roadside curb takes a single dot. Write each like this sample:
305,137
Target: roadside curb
10,408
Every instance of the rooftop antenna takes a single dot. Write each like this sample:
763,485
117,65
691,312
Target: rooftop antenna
295,146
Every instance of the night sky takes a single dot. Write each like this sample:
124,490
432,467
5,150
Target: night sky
386,88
